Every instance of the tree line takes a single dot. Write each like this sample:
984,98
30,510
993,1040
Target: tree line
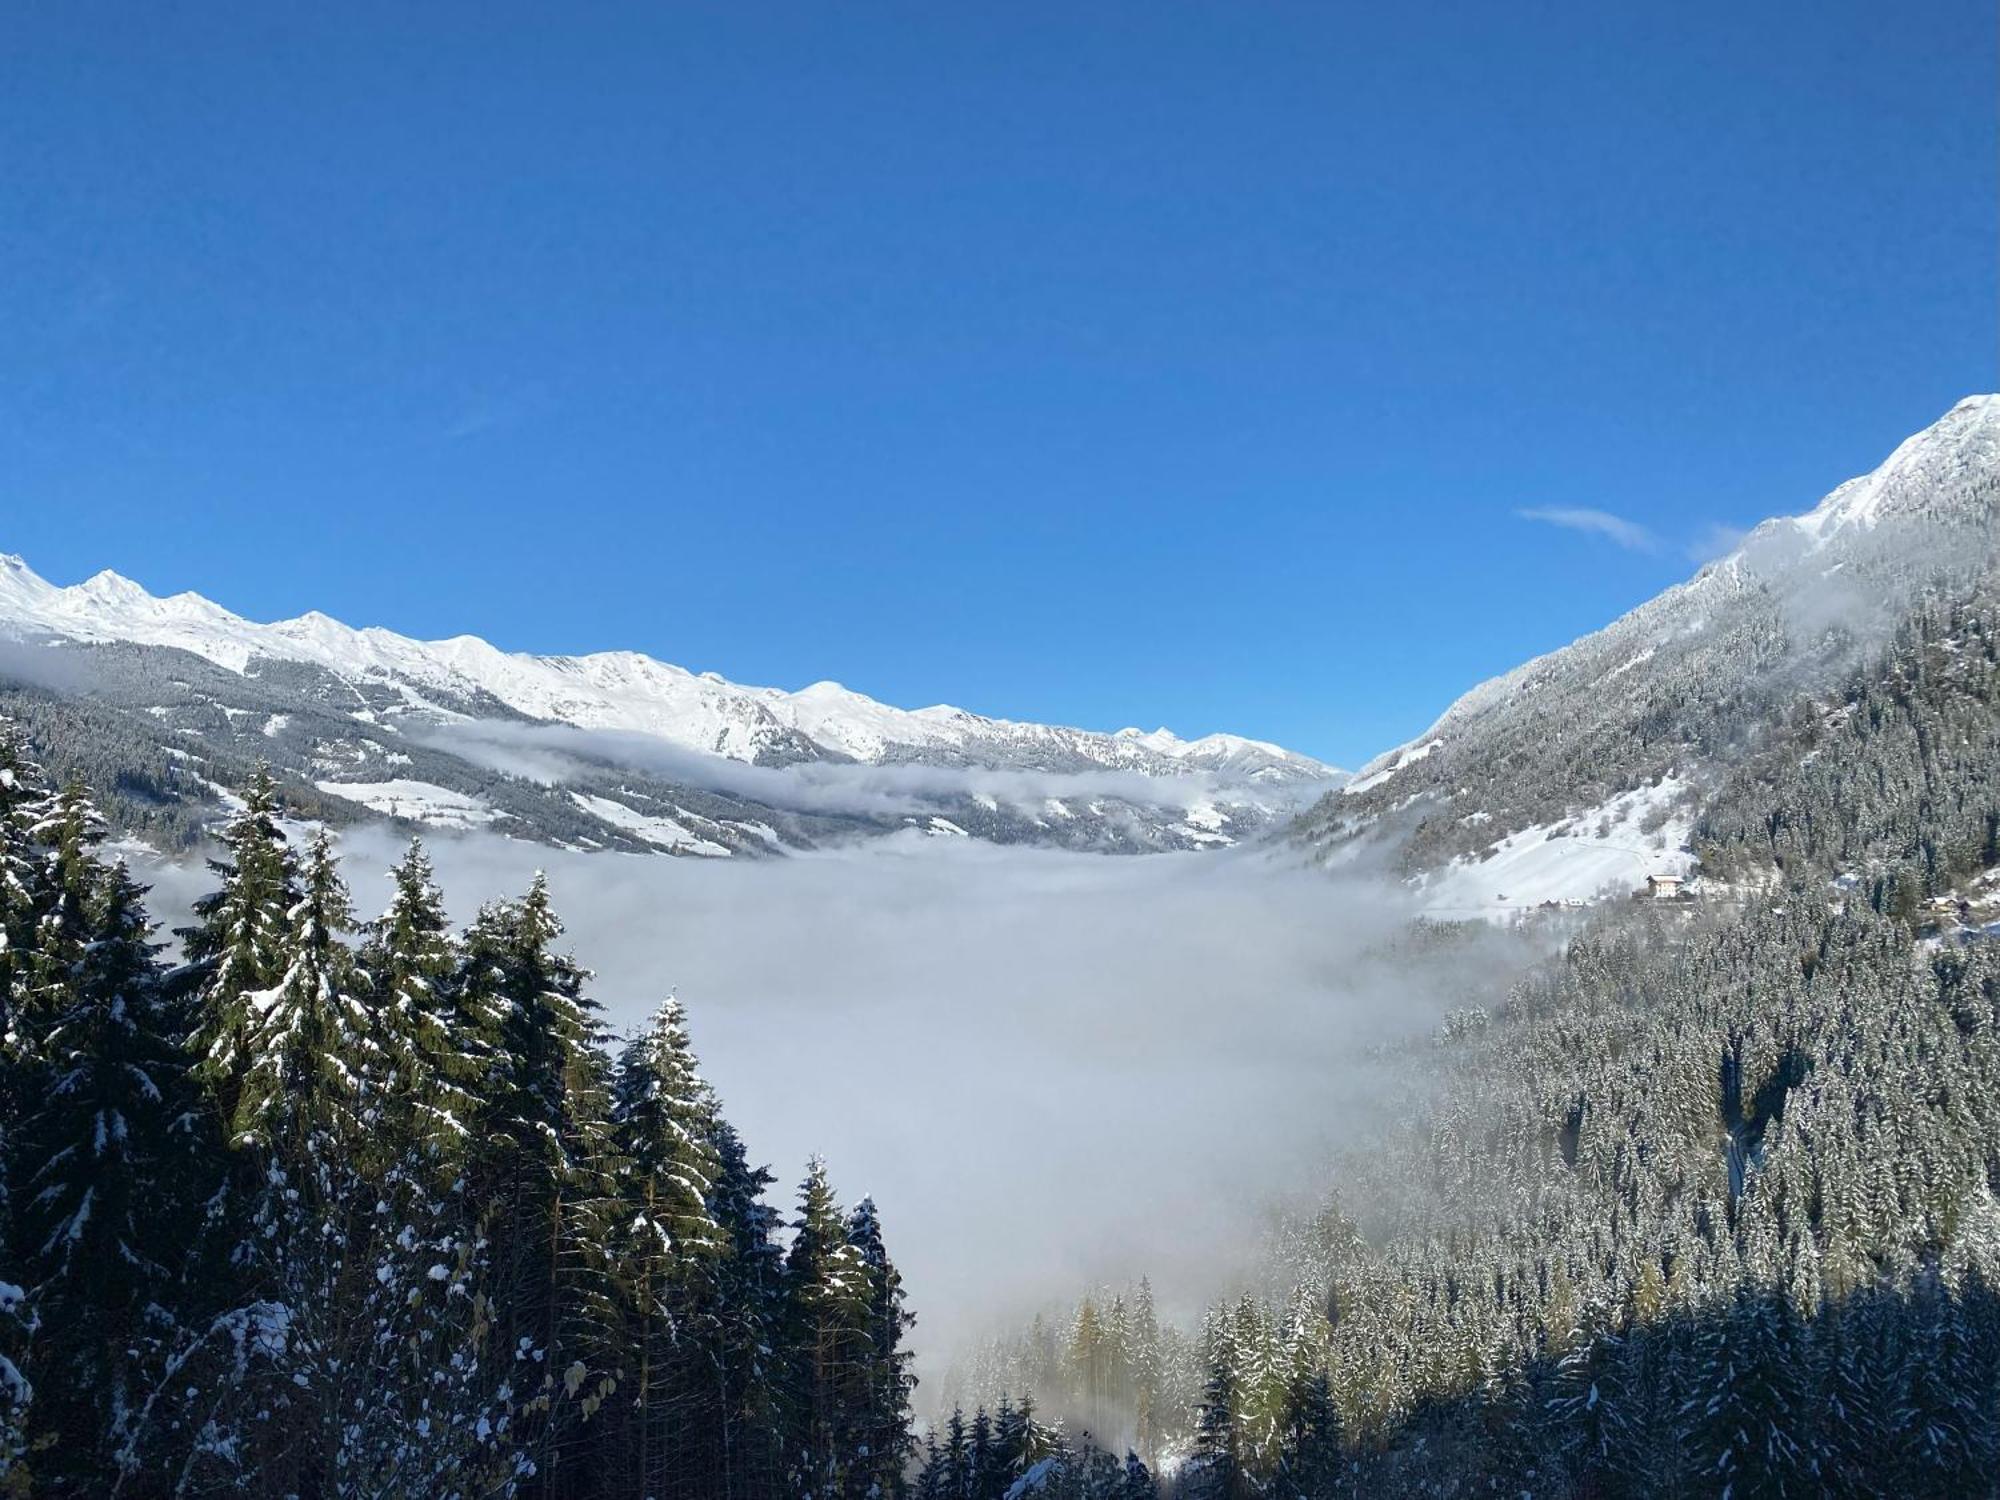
339,1209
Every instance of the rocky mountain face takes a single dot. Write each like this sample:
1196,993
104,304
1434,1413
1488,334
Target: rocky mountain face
167,703
1584,770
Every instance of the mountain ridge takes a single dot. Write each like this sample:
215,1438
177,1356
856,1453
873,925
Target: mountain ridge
1662,696
613,749
613,689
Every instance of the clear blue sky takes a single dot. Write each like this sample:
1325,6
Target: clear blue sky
1157,362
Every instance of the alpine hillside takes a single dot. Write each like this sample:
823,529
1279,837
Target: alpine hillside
1583,771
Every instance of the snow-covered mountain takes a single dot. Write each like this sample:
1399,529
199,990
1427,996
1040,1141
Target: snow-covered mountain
1586,769
351,710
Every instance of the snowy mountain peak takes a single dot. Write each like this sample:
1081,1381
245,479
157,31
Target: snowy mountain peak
1964,440
1546,751
625,691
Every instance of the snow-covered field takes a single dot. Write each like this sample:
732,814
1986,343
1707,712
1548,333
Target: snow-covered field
661,832
419,801
1605,852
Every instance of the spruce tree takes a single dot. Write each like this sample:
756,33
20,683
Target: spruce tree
63,827
22,790
542,1176
22,793
107,1192
880,1404
752,1363
1217,1464
827,1319
432,1051
237,948
307,1039
666,1251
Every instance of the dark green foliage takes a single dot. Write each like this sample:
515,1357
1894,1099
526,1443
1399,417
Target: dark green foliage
102,1166
237,947
301,1220
1012,1453
432,1051
665,1254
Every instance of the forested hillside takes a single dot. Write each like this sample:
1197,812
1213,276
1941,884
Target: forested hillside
345,1209
1708,1207
1686,686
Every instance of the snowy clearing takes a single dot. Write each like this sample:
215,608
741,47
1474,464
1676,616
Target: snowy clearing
1601,853
419,801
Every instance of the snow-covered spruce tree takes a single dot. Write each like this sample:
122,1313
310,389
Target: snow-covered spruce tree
751,1365
63,827
108,1187
543,1177
432,1053
285,1062
350,1361
1215,1470
237,946
665,1249
22,793
880,1419
443,1409
827,1312
307,1042
22,790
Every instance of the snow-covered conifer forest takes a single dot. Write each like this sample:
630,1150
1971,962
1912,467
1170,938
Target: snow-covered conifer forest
340,1207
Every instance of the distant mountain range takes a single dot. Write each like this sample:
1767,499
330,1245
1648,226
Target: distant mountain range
614,750
1584,770
1576,774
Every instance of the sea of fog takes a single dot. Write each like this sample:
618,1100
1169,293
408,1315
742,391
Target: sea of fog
1049,1069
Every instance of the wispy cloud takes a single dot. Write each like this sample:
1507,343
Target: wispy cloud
486,411
1627,534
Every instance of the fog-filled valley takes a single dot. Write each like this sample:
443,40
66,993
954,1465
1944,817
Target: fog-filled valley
1050,1070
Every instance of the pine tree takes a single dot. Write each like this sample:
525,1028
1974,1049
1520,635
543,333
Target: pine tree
22,793
954,1458
542,1173
300,1052
237,947
1311,1448
751,1363
433,1052
22,790
828,1306
1217,1464
666,1252
307,1041
108,1196
64,827
880,1406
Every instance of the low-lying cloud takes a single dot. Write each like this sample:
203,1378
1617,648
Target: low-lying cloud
1049,1069
555,753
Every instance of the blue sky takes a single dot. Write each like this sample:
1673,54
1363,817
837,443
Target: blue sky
1173,363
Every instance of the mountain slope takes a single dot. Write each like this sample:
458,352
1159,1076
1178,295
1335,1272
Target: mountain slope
614,749
1660,706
